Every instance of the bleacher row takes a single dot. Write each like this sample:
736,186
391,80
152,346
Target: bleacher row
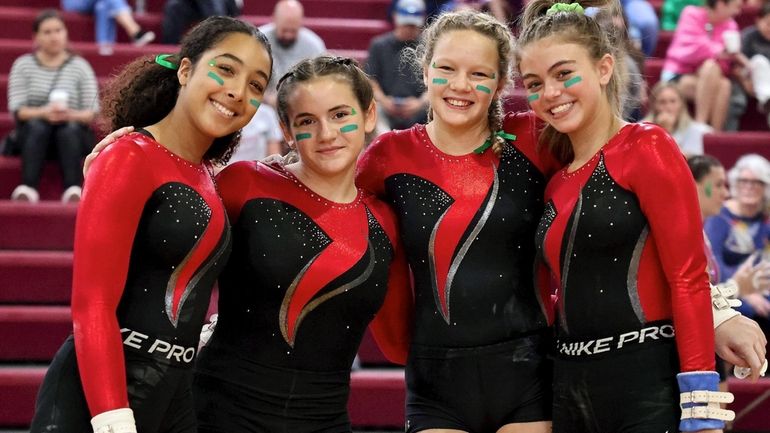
36,240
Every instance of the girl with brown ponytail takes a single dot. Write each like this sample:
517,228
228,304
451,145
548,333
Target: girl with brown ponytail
617,234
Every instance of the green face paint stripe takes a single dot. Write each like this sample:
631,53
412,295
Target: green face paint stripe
708,189
303,136
484,89
348,128
353,111
533,97
572,81
216,78
254,102
440,81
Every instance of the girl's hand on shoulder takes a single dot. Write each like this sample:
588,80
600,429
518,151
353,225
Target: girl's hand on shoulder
106,141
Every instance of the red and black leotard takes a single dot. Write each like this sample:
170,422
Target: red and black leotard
150,240
305,279
622,237
468,225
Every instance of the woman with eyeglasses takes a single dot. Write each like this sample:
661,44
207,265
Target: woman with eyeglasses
740,233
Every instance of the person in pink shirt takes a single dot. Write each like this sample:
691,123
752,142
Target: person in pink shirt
705,48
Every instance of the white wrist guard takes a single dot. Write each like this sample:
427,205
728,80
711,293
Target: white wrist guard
721,302
208,330
700,401
114,421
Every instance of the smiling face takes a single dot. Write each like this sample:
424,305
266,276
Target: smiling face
221,93
749,189
327,125
565,85
463,78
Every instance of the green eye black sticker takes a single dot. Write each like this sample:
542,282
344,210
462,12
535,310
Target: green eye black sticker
440,81
216,78
533,97
484,89
349,128
572,81
303,136
254,102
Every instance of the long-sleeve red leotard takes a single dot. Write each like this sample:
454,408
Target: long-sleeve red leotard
150,239
622,235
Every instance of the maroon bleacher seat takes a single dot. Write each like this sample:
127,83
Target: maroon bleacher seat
32,333
377,398
18,389
40,226
729,146
35,277
337,33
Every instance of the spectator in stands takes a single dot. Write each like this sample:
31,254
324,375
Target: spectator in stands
152,236
506,11
106,13
756,47
751,277
178,15
740,233
53,96
671,11
291,41
458,5
432,8
699,60
669,110
260,138
398,89
642,23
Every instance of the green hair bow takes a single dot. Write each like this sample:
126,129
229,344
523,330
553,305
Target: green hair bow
565,7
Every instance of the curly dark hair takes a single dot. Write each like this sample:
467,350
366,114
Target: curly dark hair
144,92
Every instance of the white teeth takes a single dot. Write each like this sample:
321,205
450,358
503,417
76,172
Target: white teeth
561,108
221,108
458,103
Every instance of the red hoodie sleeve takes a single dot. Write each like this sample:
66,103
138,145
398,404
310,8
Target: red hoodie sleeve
118,185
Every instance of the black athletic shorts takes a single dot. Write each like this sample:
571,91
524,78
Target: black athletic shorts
628,392
478,389
159,394
236,395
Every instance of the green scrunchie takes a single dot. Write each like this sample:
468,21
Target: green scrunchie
161,60
565,7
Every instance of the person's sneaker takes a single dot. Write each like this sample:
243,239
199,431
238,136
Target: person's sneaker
25,193
143,37
106,50
72,194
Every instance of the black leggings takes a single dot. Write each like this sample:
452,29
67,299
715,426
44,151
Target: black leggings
37,136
